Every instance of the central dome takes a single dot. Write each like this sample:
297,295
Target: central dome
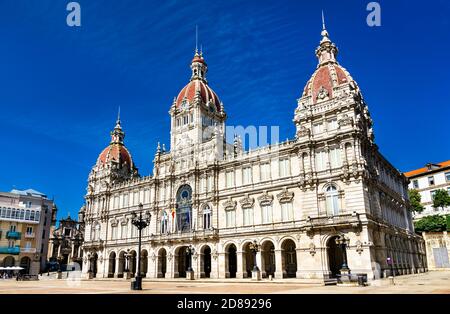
201,88
197,89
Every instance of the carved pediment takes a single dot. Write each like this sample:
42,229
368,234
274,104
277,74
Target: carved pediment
229,204
247,202
345,120
303,132
265,199
114,222
285,196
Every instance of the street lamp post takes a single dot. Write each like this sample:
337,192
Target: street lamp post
342,241
254,248
140,223
59,260
190,250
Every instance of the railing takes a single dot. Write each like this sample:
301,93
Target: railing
351,219
29,235
13,235
10,250
28,250
193,234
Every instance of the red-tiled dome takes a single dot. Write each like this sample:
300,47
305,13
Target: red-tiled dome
115,152
206,93
326,77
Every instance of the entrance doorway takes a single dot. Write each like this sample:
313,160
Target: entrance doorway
232,260
207,261
162,262
335,257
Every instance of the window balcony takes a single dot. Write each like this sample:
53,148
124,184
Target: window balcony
28,250
29,235
10,250
13,235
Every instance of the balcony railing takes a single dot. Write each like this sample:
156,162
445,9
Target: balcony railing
190,235
29,235
13,235
10,250
28,250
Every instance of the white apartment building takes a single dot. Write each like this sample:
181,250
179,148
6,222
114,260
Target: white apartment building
427,180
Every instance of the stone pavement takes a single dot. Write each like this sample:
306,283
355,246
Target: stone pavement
436,282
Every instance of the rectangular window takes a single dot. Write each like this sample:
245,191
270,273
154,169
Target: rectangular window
335,157
247,214
29,230
332,124
286,211
317,128
43,234
447,176
416,184
210,184
202,185
321,161
123,231
265,171
433,193
284,168
431,180
266,213
230,179
247,175
230,218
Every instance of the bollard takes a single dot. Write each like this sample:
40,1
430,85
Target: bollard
391,280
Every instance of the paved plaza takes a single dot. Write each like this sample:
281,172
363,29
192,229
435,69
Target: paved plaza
437,282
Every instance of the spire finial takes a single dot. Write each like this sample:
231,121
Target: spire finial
323,22
118,116
196,38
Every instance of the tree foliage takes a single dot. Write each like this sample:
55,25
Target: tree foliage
441,199
435,223
414,199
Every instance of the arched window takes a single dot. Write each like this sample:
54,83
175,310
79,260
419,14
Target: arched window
332,200
207,217
184,208
95,232
164,223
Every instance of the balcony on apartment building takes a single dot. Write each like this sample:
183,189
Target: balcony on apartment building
10,250
28,250
30,235
13,235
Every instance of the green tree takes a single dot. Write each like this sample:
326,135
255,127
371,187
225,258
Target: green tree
414,199
435,223
441,199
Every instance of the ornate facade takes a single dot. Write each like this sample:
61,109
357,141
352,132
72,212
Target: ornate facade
66,243
294,198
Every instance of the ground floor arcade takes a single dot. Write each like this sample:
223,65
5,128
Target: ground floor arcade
308,255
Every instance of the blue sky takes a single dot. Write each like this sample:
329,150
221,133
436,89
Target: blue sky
60,87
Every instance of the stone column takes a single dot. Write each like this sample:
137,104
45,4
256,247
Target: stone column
298,256
214,266
152,262
259,263
223,271
239,265
279,269
170,266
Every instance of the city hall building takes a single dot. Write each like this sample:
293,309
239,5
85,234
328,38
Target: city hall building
295,198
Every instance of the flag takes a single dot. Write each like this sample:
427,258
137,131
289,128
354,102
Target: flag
174,220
